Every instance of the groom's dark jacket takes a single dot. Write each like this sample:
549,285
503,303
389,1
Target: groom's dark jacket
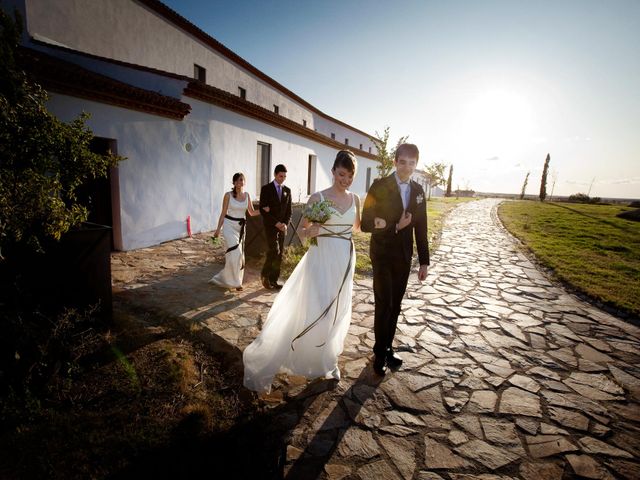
383,200
279,208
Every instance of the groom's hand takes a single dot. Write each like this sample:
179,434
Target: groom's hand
379,222
422,272
405,221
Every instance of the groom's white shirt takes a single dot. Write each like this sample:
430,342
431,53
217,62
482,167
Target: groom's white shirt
405,189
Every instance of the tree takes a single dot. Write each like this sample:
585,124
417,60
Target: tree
543,181
448,194
436,175
43,160
385,156
524,185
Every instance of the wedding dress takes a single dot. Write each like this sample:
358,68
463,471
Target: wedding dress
306,327
233,231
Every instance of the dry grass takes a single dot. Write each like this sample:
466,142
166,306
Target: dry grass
142,392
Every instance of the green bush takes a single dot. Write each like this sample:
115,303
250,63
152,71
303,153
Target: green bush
43,160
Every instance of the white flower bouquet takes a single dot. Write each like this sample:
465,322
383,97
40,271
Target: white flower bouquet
318,212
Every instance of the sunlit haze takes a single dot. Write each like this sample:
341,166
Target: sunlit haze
488,86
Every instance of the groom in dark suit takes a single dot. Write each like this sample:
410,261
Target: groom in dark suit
275,207
395,211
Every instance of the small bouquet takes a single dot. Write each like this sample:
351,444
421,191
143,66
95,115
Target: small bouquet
216,242
318,212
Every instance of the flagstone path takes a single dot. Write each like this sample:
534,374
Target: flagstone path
505,374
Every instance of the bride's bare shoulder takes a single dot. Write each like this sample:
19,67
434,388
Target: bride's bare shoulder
314,198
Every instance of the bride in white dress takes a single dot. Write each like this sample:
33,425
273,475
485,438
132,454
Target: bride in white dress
234,208
305,330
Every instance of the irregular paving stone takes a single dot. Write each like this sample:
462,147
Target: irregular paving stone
590,353
592,445
547,429
456,399
502,432
589,392
513,330
541,446
336,472
470,423
401,396
402,454
434,422
482,401
417,382
501,371
357,442
544,372
331,417
520,402
564,355
600,430
398,430
529,425
484,476
629,441
457,437
541,471
403,418
432,398
525,383
488,455
437,455
599,381
568,418
628,470
579,403
625,379
429,476
378,470
585,466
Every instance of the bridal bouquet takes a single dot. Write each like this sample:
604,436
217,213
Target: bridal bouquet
216,241
318,212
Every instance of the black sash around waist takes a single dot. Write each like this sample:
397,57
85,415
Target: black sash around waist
242,222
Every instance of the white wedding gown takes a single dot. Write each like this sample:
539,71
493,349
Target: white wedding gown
233,272
300,336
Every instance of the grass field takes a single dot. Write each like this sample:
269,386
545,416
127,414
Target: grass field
586,246
437,208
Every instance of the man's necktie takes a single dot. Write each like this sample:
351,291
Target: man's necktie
279,189
404,190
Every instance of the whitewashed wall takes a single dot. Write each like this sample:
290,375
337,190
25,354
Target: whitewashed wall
160,183
111,28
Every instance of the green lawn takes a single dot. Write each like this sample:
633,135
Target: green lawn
587,246
437,208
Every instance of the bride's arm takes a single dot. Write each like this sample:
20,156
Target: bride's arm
307,229
252,211
356,222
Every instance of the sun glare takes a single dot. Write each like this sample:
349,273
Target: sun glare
497,122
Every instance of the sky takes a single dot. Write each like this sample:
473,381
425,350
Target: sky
490,87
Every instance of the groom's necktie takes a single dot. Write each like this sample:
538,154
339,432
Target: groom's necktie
279,189
404,193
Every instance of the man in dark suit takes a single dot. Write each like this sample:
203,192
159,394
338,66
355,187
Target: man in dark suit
275,207
395,211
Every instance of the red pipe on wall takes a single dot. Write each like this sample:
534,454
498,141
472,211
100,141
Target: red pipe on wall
189,225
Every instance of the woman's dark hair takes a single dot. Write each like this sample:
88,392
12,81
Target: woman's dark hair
347,160
236,176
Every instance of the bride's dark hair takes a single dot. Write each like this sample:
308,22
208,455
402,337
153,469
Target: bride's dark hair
236,176
347,160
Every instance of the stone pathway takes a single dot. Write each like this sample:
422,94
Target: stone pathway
505,375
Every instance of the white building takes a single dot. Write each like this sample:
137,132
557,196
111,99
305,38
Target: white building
185,111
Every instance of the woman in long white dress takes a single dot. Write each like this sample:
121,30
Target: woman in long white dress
235,205
306,327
